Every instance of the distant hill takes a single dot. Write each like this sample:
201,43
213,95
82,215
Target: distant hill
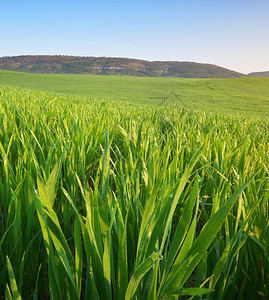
58,64
259,74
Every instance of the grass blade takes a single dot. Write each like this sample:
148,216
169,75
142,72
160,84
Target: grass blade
138,275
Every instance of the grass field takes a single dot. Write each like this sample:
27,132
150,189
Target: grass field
242,96
132,199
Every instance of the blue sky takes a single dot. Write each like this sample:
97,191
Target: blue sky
233,34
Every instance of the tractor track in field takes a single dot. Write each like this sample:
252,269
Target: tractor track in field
174,94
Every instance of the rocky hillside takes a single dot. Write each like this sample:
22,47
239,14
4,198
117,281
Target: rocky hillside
59,64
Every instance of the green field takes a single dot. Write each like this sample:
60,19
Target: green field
133,188
241,96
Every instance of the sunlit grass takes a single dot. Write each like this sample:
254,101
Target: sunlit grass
111,200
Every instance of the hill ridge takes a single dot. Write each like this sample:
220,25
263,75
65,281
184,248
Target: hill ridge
66,64
259,74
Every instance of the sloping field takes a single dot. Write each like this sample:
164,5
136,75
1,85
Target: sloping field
124,200
243,96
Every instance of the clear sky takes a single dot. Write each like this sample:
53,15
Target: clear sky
230,33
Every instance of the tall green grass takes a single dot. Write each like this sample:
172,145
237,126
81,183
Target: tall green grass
109,200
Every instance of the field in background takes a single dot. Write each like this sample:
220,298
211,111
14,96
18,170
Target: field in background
124,200
241,96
